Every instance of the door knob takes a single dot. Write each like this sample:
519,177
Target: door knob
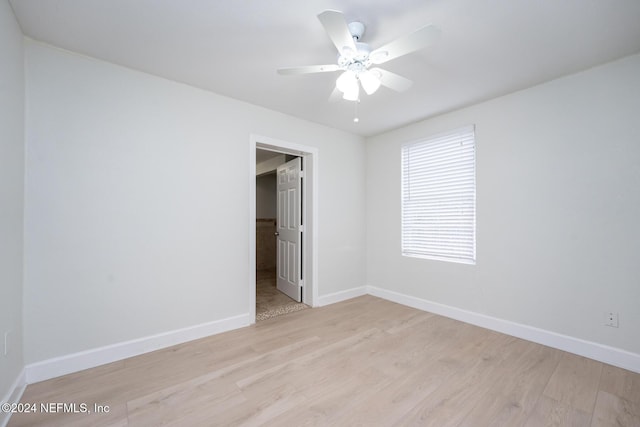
276,233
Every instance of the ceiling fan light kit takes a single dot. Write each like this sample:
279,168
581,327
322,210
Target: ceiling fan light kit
355,58
370,81
347,83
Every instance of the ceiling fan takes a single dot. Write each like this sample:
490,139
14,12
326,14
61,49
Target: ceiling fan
355,59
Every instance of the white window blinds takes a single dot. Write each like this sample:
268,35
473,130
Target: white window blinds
439,197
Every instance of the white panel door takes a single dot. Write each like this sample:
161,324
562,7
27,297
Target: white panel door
289,229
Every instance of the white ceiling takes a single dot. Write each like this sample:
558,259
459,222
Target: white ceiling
487,48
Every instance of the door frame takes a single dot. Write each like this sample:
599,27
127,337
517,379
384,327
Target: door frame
309,157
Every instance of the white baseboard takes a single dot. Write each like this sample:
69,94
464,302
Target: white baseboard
610,355
341,296
75,362
13,396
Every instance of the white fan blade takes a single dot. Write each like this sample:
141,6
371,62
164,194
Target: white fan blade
417,40
336,27
309,69
392,80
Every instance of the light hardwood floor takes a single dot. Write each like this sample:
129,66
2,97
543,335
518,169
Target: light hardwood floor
365,362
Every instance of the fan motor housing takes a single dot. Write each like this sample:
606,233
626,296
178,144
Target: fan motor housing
362,51
358,59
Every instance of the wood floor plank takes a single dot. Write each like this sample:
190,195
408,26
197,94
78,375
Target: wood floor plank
184,403
514,394
620,382
331,402
451,402
317,364
612,410
390,403
263,409
549,412
365,362
575,382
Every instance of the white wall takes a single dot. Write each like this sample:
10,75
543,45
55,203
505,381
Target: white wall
558,201
266,199
11,197
137,203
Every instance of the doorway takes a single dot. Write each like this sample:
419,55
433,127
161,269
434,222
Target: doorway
272,153
278,234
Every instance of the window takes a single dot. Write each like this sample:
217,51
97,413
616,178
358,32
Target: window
439,197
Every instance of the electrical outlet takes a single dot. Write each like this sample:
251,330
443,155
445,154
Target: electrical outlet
611,319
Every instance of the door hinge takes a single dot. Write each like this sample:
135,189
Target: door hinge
301,228
301,174
301,283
